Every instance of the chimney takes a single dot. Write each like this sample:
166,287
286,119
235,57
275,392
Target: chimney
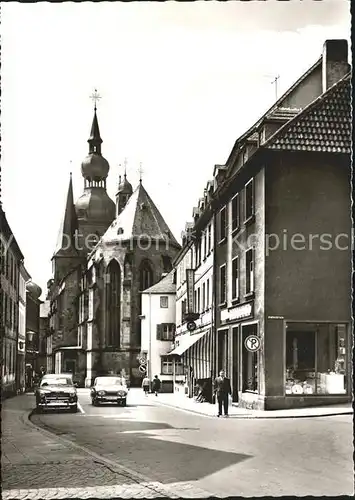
334,62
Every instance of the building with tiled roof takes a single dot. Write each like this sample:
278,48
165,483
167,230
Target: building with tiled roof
323,126
281,210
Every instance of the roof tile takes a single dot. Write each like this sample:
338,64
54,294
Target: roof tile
324,125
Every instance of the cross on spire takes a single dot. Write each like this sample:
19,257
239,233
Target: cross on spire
125,167
95,96
140,172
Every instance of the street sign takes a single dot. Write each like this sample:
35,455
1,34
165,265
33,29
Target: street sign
191,326
142,369
142,360
252,343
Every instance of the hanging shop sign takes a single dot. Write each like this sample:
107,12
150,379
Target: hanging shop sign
190,285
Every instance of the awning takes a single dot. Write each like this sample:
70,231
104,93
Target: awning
187,341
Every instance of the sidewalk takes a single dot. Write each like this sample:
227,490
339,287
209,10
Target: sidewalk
36,464
211,410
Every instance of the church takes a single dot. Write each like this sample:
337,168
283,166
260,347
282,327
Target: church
107,254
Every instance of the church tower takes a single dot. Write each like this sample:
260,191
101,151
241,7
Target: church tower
123,194
66,256
95,210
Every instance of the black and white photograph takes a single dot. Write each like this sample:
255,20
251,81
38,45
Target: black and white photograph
176,242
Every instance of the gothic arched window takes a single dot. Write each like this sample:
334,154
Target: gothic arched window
145,281
145,275
113,303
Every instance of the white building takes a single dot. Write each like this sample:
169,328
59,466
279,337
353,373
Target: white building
158,332
24,277
196,347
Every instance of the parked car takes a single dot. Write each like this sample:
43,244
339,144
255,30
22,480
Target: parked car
109,389
56,391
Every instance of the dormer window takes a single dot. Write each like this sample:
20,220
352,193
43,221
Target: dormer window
120,230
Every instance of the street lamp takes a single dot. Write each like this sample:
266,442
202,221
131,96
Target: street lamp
30,335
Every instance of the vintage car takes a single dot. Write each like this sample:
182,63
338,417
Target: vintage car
56,391
109,389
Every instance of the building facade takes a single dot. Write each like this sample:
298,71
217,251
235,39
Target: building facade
106,255
24,278
158,334
11,259
283,275
194,298
33,303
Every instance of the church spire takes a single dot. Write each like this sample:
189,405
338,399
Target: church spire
95,140
69,224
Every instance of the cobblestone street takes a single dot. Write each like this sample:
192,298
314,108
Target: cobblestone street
147,451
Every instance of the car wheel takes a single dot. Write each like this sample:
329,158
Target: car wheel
124,402
38,409
74,409
94,402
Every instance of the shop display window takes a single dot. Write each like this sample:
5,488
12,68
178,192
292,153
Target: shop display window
316,359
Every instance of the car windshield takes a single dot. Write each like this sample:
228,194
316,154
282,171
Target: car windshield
56,381
109,381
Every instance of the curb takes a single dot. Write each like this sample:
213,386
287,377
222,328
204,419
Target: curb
125,471
259,417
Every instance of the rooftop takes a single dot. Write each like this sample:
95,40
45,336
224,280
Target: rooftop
165,285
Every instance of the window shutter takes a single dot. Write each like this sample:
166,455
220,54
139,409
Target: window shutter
159,332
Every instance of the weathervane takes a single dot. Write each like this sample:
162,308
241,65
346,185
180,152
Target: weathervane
95,96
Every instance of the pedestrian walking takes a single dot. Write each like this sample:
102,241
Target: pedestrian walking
145,385
156,385
222,389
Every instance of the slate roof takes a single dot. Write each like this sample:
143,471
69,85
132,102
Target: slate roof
68,226
165,285
323,126
139,218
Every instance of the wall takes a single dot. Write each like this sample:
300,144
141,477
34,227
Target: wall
155,315
307,194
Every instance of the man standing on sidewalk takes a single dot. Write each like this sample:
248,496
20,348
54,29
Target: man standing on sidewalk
222,389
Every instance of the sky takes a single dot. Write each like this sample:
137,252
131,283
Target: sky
179,83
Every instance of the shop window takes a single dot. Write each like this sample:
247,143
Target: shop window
223,224
249,200
249,362
235,278
249,271
316,359
222,284
164,301
235,212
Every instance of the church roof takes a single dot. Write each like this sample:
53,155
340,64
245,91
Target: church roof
165,285
139,219
68,226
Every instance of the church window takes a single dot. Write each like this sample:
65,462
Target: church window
145,276
113,303
167,265
145,281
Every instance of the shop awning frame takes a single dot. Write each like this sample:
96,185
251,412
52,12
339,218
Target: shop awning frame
187,341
